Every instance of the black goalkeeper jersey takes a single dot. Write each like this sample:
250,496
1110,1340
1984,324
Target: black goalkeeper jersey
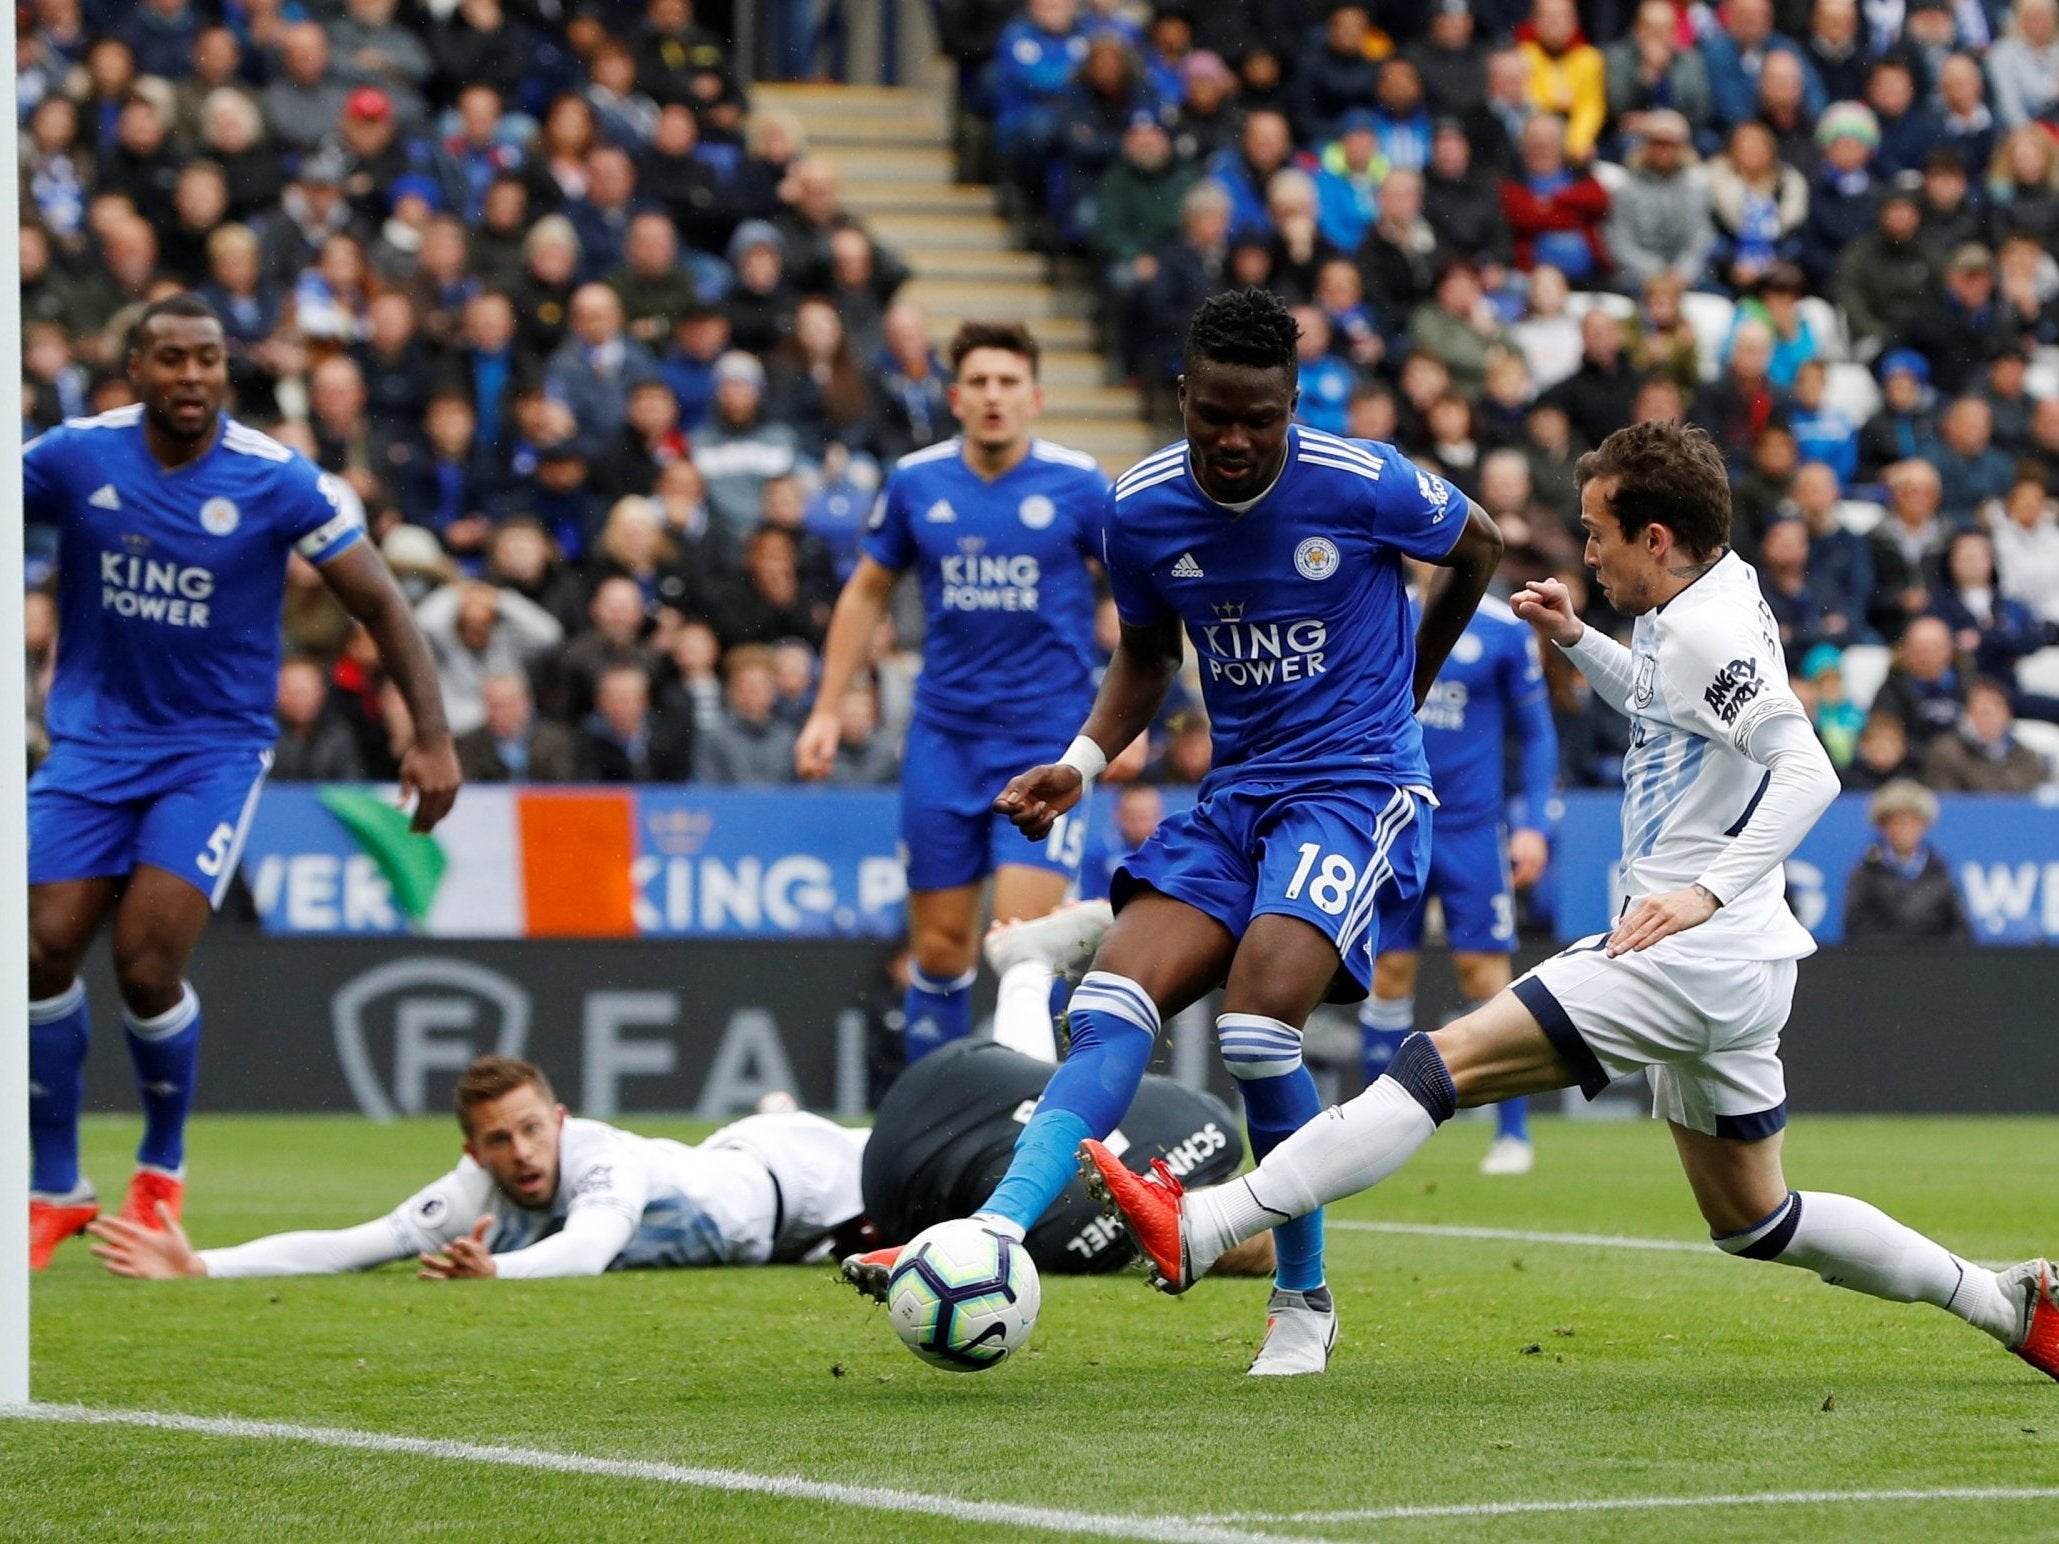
947,1128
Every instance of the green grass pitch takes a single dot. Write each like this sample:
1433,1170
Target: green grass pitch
1470,1371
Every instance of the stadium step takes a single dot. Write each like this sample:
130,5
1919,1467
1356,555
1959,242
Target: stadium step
891,148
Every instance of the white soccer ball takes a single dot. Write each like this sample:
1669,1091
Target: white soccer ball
963,1296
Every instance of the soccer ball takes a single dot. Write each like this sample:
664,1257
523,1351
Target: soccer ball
963,1296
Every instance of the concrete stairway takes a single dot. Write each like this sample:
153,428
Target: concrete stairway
892,147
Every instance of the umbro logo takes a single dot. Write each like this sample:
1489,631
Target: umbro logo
1186,568
939,512
106,498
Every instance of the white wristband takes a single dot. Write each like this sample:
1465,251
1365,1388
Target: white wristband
1085,758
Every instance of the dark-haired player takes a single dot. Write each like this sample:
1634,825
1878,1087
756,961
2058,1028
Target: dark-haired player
175,525
999,526
1694,982
1279,552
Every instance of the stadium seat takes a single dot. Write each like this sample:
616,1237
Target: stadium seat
1611,176
1580,302
1865,667
1852,391
1859,516
2039,672
1828,324
2042,378
2042,738
1711,317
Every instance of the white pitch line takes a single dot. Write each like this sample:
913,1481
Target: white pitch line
1391,1514
1523,1236
871,1498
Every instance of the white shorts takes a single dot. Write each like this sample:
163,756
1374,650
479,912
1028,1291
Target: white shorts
814,1164
1706,1031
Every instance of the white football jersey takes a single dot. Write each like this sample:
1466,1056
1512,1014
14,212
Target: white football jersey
732,1200
1708,670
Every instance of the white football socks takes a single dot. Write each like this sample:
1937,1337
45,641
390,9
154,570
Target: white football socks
1022,1011
1346,1149
1853,1244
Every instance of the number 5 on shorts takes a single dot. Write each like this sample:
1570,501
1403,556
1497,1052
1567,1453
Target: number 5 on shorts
210,862
1331,891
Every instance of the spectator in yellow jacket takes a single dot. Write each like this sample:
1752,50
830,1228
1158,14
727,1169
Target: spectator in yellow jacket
1567,76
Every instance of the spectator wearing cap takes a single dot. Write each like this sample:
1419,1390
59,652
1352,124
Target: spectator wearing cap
1647,71
1348,172
376,155
760,306
1567,78
1555,214
1966,125
1888,276
1902,890
1335,75
1982,754
303,105
1758,204
1904,424
1971,470
477,40
1659,218
310,213
1451,61
1462,203
739,449
1836,51
1207,118
2024,66
1735,54
1909,130
1908,548
1844,194
1838,721
1962,328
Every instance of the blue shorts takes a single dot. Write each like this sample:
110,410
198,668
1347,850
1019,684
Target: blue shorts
96,817
1469,873
952,836
1344,858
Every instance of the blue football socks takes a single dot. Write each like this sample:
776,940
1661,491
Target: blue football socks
166,1053
1280,1097
59,1033
934,1013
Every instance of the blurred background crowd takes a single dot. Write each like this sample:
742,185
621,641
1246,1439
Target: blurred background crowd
617,376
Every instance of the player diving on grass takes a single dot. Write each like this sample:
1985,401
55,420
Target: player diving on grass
175,523
1278,551
541,1194
1000,527
1485,845
1693,982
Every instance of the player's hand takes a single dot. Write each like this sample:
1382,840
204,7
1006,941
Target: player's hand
1528,851
463,1259
130,1250
1034,801
815,749
1547,605
1661,916
430,774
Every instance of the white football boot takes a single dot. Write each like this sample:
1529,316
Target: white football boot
1300,1334
1063,939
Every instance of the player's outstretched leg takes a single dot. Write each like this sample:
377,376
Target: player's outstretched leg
1114,1023
1348,1148
61,1202
165,1050
1028,956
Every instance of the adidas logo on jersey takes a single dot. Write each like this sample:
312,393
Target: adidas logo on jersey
106,498
1186,568
940,512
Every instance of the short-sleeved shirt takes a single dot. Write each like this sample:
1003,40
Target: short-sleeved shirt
170,582
1006,588
1298,607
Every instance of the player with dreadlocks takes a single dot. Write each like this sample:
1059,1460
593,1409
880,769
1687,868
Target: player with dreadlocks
1279,552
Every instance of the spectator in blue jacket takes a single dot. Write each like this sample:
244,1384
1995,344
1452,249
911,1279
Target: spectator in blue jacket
1909,130
1038,55
1245,172
1735,55
1969,466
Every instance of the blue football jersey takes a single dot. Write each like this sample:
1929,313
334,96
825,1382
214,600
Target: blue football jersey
1493,681
1005,584
1298,608
170,583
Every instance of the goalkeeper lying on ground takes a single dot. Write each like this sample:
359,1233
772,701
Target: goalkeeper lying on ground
539,1193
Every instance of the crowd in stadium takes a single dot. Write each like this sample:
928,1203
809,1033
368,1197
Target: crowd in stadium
616,375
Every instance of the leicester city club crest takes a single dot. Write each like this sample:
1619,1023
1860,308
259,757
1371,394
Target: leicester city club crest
218,517
1037,512
1316,558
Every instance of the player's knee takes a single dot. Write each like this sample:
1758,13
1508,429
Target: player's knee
1394,974
150,976
53,966
941,951
1255,1046
1480,976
